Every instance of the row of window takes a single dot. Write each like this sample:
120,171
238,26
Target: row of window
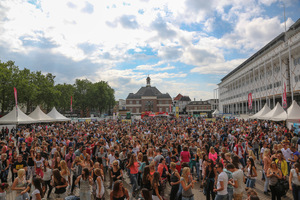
297,61
137,110
159,102
297,78
263,88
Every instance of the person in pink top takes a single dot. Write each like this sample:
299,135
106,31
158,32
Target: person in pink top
133,166
185,155
213,155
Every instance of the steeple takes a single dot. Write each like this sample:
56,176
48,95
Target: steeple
148,81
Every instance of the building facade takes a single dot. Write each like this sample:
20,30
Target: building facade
214,104
181,102
265,76
199,108
148,99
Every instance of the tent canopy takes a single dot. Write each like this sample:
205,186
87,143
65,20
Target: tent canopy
14,118
277,110
293,112
57,116
216,112
262,112
40,116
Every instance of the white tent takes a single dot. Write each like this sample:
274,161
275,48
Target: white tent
40,116
57,116
293,112
263,111
216,112
14,118
276,111
280,114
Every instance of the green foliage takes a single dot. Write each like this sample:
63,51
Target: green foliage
36,88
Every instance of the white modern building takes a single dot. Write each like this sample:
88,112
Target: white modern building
265,75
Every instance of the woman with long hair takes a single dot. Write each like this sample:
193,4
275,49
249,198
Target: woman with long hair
213,155
156,186
174,180
77,166
85,181
267,161
187,184
133,167
47,177
147,178
251,173
116,172
99,184
294,181
65,172
274,174
119,192
56,160
209,178
20,185
38,165
143,163
60,184
38,192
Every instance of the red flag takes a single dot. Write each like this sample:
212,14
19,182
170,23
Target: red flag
16,96
284,103
250,101
71,103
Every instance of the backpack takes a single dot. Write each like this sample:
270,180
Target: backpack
122,164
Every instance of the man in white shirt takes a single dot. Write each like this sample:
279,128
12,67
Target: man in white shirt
288,155
111,158
222,183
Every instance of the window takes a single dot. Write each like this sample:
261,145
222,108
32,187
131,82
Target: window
130,102
160,109
137,102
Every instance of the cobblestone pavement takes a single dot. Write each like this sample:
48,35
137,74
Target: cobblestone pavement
198,195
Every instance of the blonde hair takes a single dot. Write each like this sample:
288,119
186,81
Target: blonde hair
185,171
211,148
63,165
251,154
21,173
116,162
172,165
266,151
4,155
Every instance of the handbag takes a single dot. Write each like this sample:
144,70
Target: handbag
204,184
282,187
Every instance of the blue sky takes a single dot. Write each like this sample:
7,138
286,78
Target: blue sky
186,46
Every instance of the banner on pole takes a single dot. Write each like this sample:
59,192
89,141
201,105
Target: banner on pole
284,101
16,101
16,96
250,101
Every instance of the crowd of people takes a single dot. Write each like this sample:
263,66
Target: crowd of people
54,160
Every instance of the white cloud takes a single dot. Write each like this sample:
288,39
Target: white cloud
102,32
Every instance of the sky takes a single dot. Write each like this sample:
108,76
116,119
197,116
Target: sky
185,46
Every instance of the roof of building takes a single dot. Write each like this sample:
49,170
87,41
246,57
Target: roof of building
178,97
185,98
279,38
199,103
148,92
